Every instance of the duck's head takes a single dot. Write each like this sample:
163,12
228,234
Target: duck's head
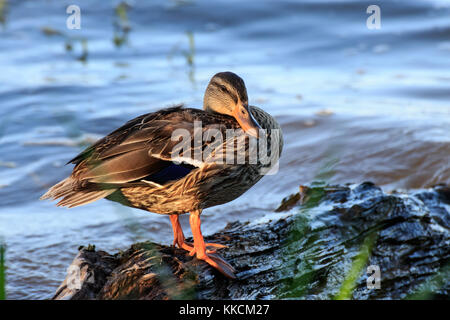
226,94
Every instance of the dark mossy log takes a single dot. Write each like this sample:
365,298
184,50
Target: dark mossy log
317,246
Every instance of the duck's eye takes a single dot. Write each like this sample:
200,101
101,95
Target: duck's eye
243,111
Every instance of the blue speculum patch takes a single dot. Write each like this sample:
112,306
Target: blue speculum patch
170,173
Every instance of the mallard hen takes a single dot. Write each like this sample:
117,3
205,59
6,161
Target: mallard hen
177,160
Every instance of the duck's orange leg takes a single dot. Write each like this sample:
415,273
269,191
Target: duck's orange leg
179,239
178,235
200,248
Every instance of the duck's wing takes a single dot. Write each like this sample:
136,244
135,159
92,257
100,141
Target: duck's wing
142,149
119,136
151,143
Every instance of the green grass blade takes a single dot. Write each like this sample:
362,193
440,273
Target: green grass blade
359,262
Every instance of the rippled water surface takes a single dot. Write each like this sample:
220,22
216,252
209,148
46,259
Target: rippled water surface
354,105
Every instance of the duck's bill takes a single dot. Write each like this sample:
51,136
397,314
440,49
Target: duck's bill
245,119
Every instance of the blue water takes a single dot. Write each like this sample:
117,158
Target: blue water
354,104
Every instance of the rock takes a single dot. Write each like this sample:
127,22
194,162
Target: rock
86,275
318,246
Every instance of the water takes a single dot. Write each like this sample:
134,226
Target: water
354,104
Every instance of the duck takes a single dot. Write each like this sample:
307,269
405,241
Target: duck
180,160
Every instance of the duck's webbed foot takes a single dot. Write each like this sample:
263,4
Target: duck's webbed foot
202,253
210,247
217,262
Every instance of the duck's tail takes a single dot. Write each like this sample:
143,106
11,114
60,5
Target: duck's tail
68,189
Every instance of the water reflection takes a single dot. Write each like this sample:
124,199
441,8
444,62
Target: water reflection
3,12
121,24
188,54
